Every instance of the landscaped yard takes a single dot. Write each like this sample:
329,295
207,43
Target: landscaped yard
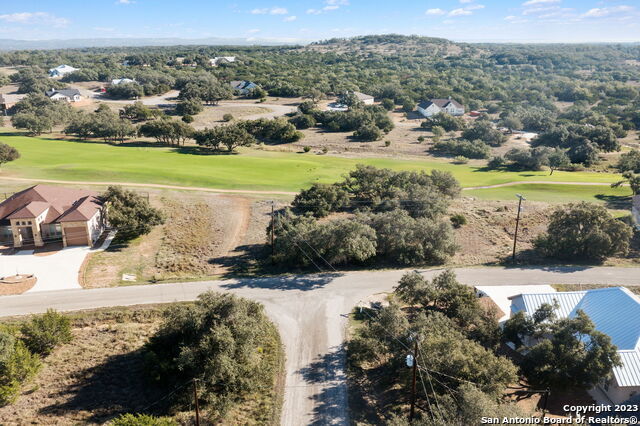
254,169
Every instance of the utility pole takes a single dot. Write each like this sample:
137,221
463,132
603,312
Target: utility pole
195,398
413,381
273,224
544,405
515,236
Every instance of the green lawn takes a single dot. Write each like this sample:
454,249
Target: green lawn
614,197
47,158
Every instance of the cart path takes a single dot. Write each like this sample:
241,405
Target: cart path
274,192
151,185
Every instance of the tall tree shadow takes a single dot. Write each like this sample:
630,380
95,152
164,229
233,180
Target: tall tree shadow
331,403
617,202
115,387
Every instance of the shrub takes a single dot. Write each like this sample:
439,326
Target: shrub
584,231
324,150
420,139
303,121
339,242
227,117
458,219
306,148
17,364
460,159
484,131
129,213
387,143
225,341
187,119
465,148
8,153
496,162
142,420
321,199
189,107
404,240
368,133
388,104
44,332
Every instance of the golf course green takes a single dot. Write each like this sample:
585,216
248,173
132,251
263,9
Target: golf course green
254,169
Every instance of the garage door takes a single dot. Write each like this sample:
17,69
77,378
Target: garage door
76,236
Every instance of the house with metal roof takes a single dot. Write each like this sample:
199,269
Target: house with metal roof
242,87
615,311
42,214
67,95
436,106
635,211
61,71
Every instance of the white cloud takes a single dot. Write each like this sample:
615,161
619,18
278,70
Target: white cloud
474,7
125,2
290,18
536,10
536,2
278,11
270,11
466,1
599,12
330,5
460,12
34,18
253,30
435,12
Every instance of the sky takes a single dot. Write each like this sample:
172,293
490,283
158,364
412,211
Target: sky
308,20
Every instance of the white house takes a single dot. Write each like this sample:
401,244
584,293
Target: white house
68,95
635,211
615,311
221,60
364,98
435,106
61,71
117,81
242,86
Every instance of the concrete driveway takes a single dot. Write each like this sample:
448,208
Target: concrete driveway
55,271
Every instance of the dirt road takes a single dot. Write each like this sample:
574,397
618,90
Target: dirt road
310,311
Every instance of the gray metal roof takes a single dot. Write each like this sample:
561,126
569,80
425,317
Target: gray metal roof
615,311
65,92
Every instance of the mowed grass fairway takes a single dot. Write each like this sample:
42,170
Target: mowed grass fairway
251,169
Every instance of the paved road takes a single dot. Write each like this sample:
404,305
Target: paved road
310,312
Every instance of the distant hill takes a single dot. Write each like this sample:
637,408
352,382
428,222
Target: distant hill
389,44
8,44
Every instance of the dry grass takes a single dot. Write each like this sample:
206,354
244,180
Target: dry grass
189,240
98,375
212,115
205,235
488,235
101,375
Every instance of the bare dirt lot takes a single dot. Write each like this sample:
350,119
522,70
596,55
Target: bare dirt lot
205,235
